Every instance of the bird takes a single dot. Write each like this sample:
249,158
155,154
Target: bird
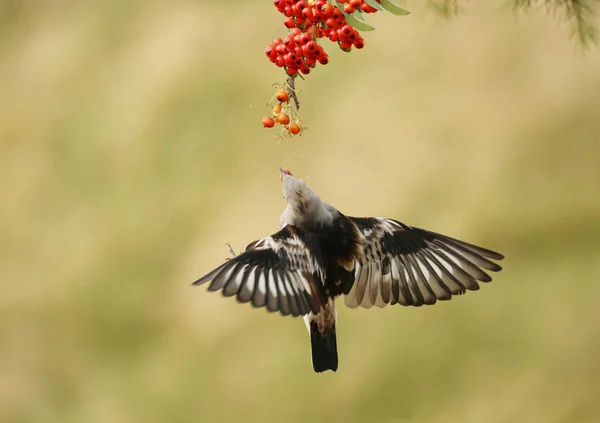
320,254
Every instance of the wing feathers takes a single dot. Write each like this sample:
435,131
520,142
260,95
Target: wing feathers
260,292
272,303
398,264
279,272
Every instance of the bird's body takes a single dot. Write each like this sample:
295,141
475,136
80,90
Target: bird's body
320,254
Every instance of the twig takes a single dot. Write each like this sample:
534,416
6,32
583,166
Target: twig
292,91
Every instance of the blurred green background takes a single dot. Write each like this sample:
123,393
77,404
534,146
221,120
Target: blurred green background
131,150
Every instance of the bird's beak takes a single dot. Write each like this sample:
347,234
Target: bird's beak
283,174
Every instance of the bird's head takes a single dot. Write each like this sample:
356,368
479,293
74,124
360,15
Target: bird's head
297,193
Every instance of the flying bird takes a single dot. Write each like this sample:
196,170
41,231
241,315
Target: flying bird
320,254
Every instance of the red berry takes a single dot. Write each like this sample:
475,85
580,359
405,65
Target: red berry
308,13
346,30
310,62
271,52
268,122
368,9
356,3
292,71
359,43
311,46
288,41
289,23
300,21
282,96
348,8
345,45
283,119
294,129
289,60
331,23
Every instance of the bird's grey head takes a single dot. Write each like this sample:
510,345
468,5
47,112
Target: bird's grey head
297,194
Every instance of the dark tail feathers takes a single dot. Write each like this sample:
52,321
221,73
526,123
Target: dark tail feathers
323,348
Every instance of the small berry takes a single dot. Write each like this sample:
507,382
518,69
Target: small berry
282,118
268,122
346,30
308,13
282,96
277,109
348,8
291,71
368,9
326,9
345,45
294,129
289,23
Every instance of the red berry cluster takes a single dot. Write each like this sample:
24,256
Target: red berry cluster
298,51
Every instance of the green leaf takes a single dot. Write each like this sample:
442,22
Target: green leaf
374,4
394,8
359,15
360,25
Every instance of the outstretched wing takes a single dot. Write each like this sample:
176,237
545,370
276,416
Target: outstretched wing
409,266
280,272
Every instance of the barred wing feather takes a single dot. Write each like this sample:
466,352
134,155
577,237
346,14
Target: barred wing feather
399,264
279,272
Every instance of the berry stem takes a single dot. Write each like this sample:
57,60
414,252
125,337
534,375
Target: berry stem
292,91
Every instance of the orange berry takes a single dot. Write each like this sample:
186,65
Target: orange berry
282,96
294,129
283,119
277,109
268,122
